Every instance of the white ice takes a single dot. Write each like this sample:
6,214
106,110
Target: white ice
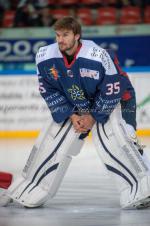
87,197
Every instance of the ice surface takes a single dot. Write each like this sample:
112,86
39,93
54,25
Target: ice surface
87,197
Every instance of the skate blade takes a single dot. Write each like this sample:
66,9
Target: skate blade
142,204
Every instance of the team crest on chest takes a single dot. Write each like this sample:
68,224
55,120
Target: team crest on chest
76,93
84,72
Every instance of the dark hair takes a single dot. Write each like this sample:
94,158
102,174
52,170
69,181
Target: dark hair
68,23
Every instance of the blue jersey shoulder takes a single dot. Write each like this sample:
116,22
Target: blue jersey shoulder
48,52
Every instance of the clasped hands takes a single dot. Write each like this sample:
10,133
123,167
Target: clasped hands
82,123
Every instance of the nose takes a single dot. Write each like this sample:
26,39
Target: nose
60,39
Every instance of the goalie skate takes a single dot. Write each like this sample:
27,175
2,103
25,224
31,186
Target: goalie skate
142,198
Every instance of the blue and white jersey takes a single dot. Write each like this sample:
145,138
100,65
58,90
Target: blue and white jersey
93,82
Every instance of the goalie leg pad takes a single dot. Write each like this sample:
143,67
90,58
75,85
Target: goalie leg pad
47,164
123,161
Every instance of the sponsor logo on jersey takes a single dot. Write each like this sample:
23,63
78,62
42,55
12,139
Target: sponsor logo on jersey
84,72
76,93
69,73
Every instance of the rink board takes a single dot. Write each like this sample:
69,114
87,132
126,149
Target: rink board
23,112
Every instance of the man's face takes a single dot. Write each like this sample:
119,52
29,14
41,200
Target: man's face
66,40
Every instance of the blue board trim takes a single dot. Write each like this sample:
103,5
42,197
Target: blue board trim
33,72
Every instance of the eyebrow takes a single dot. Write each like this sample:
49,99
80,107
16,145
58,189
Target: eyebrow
66,32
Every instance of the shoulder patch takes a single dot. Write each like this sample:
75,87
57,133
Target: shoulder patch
99,54
48,52
41,54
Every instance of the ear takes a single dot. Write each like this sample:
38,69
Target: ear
77,37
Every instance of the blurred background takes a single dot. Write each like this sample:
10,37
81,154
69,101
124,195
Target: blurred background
25,25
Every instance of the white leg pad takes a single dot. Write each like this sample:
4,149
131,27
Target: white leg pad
123,160
47,164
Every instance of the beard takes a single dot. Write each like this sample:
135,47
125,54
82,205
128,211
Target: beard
64,48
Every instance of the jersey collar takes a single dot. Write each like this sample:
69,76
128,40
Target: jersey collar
74,58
